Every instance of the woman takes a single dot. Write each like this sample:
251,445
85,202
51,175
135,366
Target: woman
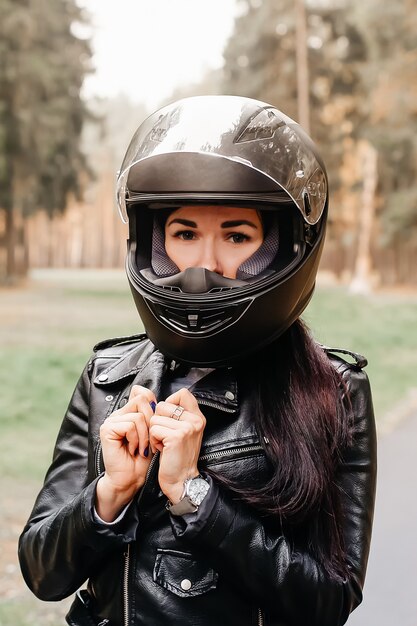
221,468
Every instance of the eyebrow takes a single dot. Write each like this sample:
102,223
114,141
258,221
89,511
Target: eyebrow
229,224
178,220
233,223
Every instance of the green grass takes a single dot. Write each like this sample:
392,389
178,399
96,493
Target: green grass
382,327
37,387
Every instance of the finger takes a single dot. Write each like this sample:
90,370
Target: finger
138,390
166,422
144,401
143,433
120,433
174,430
137,404
159,436
135,416
166,409
141,425
183,397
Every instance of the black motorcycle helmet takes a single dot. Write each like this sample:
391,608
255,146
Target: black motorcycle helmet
233,151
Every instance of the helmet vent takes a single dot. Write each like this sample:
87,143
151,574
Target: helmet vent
197,320
170,288
220,289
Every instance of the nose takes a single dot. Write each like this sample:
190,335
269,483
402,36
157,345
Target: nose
209,257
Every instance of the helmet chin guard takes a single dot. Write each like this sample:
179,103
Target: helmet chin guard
222,151
195,280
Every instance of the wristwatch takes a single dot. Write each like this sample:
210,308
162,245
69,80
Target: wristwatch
195,490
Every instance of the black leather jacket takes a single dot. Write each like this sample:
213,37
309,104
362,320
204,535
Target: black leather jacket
242,570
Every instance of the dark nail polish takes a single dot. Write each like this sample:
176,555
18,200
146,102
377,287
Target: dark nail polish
153,406
146,451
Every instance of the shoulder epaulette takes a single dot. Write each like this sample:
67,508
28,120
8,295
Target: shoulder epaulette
118,341
359,360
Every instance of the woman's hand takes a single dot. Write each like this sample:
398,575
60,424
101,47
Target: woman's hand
125,442
178,440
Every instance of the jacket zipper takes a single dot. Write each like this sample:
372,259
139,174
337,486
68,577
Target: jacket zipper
260,618
215,405
221,454
210,456
99,453
126,567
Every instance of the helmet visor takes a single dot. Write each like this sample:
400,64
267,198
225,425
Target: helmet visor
234,129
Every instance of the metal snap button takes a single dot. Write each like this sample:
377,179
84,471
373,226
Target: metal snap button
123,401
102,377
229,395
109,398
186,584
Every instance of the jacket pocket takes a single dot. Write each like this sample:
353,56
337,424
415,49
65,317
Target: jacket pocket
182,574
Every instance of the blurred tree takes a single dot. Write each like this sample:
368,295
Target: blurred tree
337,53
390,73
303,80
260,55
261,62
42,66
362,59
389,125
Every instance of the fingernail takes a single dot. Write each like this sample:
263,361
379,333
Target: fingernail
146,451
153,406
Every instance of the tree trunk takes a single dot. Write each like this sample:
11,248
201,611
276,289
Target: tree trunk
362,274
10,233
25,251
303,82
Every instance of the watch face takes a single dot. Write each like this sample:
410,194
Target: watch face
197,489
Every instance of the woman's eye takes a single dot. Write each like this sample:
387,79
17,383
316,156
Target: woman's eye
185,235
238,237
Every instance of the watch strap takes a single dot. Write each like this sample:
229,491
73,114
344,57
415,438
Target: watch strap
184,506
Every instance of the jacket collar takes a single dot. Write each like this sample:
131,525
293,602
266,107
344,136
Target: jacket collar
145,365
219,389
127,364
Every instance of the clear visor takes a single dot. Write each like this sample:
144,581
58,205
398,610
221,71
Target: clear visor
238,129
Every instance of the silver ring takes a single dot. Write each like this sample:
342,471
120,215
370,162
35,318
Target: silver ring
179,410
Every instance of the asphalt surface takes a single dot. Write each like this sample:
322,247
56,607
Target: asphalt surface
390,593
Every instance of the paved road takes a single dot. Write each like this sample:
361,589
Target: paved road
390,594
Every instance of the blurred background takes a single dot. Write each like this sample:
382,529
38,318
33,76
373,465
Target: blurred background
76,79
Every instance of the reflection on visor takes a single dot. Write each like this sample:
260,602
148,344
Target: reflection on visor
237,129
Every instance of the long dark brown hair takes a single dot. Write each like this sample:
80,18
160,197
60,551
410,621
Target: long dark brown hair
300,414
